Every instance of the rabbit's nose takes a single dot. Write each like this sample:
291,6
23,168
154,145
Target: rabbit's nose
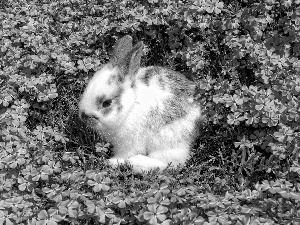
83,116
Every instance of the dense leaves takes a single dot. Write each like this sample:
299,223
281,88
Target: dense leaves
245,59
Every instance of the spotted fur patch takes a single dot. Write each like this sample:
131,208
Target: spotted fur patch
116,78
99,101
115,104
179,84
175,108
112,80
146,78
149,74
119,92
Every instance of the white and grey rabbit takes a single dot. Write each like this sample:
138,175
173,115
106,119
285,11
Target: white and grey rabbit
147,113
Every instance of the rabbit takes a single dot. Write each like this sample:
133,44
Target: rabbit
148,114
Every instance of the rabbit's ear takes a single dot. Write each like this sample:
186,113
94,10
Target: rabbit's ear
121,49
134,58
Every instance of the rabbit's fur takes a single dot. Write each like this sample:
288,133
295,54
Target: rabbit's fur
148,114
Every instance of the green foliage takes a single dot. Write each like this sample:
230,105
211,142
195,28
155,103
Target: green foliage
245,59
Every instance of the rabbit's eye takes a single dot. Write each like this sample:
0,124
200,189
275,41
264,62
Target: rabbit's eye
106,103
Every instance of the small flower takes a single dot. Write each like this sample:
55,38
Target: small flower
214,6
100,182
155,212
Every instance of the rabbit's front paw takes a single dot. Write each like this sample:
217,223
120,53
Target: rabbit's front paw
142,163
114,162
